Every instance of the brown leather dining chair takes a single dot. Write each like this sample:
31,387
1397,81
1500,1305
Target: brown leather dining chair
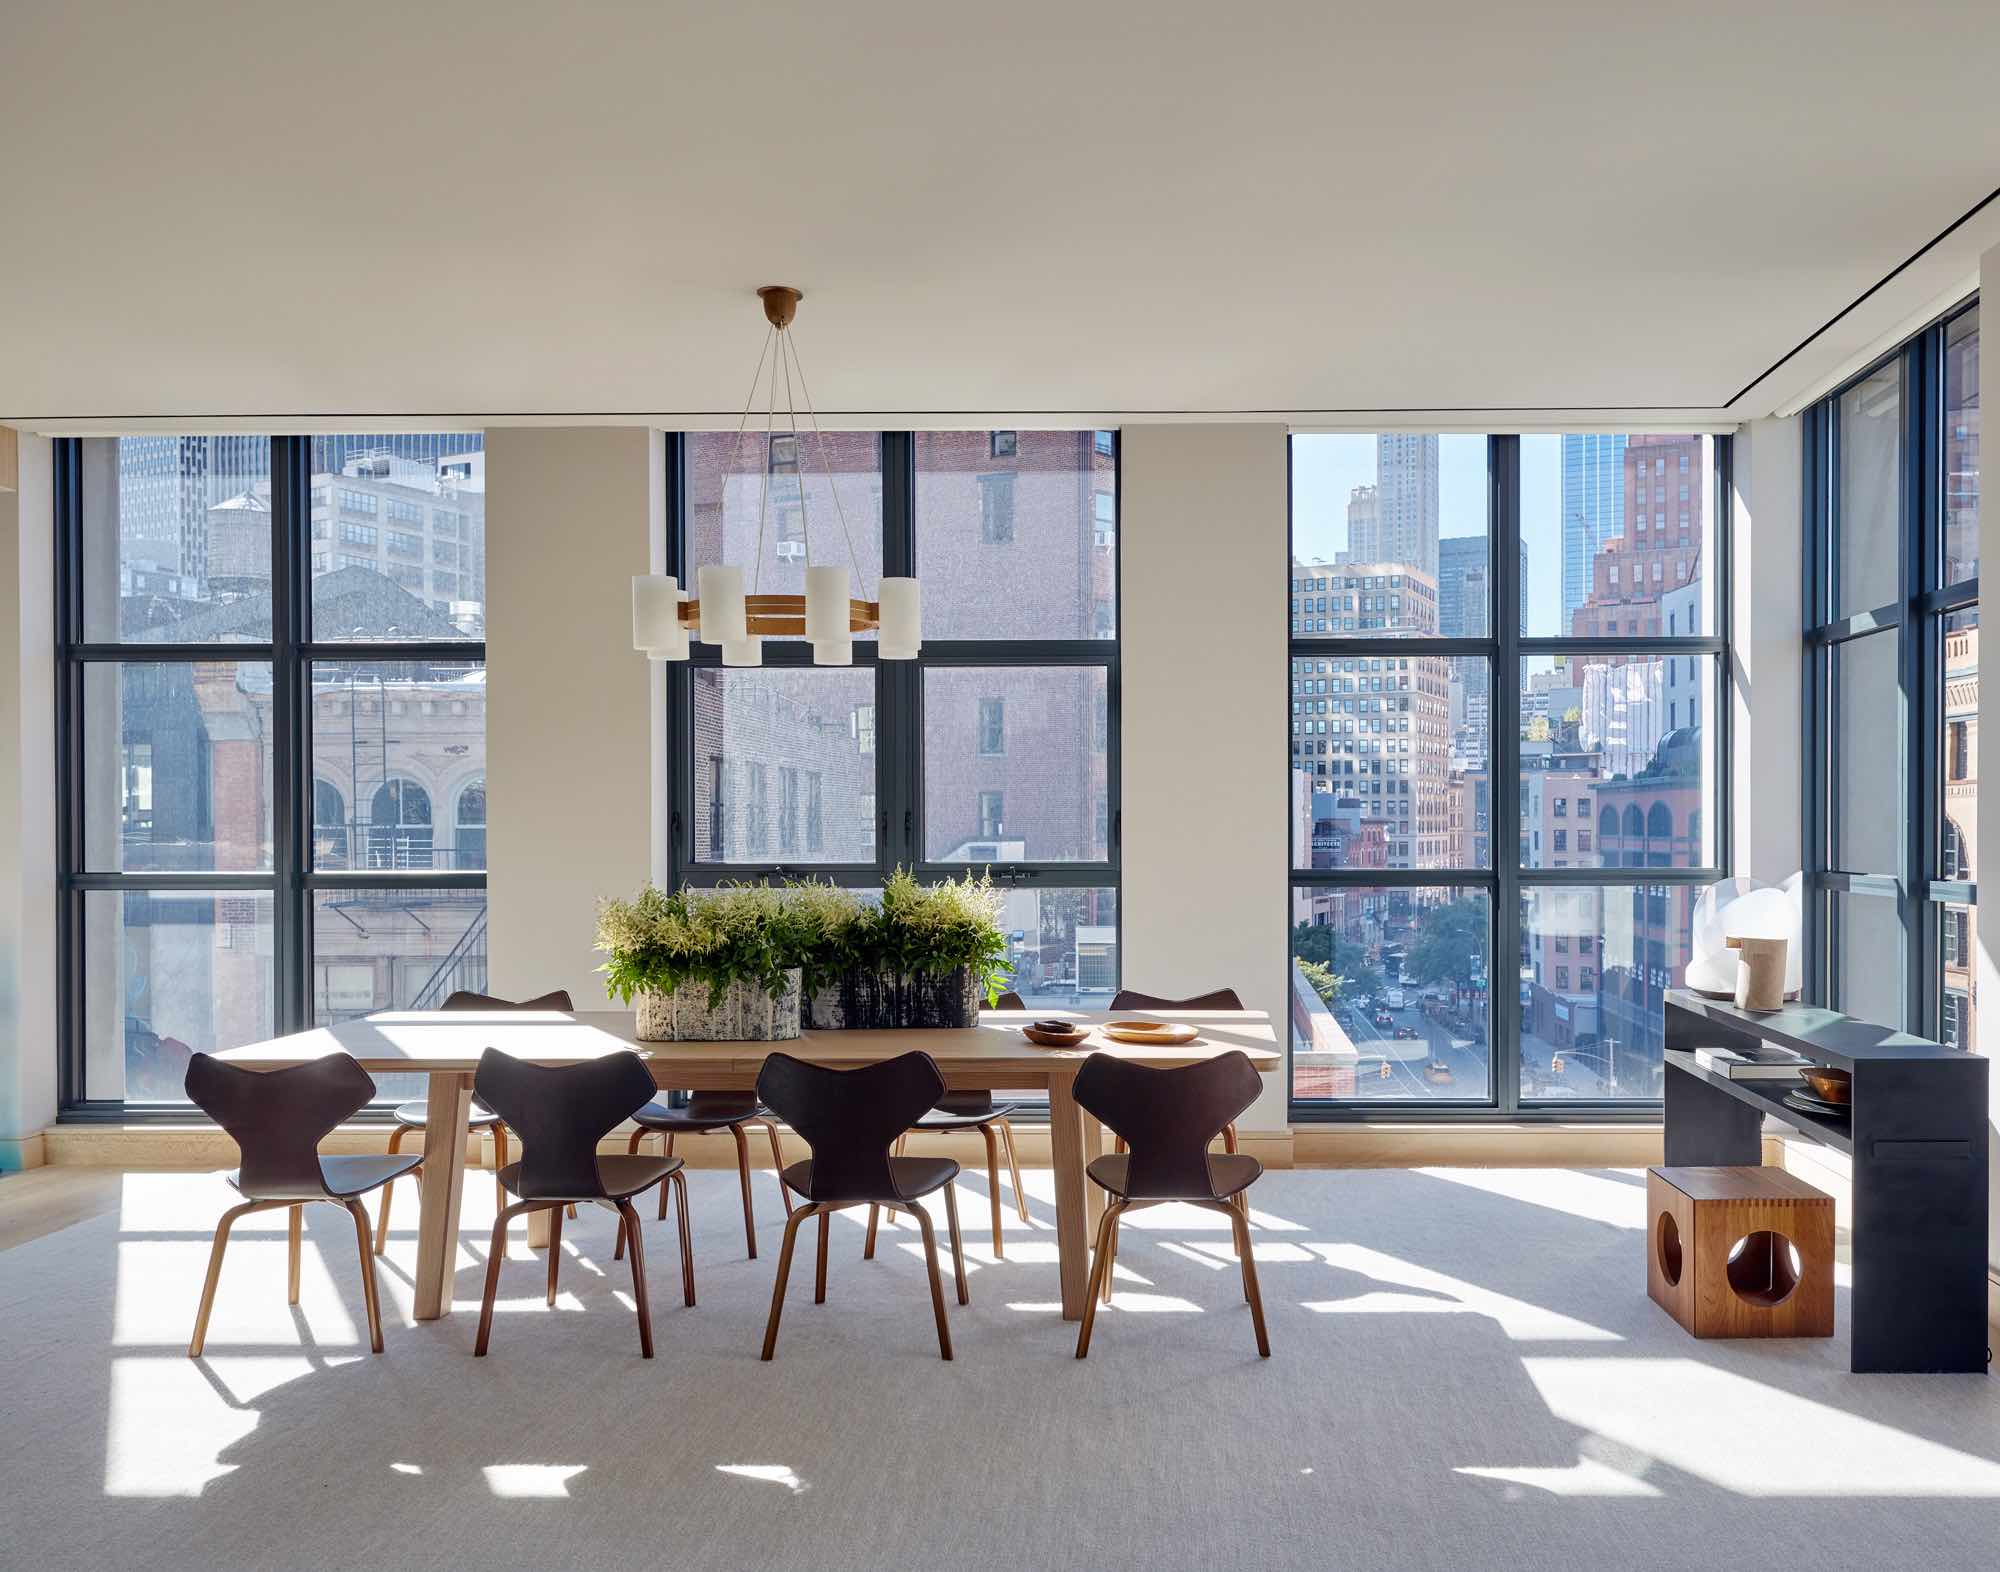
562,1113
970,1111
414,1116
1219,999
277,1119
1169,1117
848,1118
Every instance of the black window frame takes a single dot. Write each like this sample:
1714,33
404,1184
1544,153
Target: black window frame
292,881
1506,882
898,719
1924,883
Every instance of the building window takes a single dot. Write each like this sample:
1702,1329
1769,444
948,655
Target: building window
756,827
815,825
991,806
788,809
1003,444
996,509
992,727
469,827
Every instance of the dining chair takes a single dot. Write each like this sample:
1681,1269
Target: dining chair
277,1119
970,1111
414,1116
1169,1117
706,1112
1219,999
848,1118
562,1112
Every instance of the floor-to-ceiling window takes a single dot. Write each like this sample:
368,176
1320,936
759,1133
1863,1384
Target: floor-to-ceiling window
272,713
996,750
1506,762
1892,663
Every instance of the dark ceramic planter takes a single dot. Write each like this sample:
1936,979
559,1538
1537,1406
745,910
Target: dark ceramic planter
882,1001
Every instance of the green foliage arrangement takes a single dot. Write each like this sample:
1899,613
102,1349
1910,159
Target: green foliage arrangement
755,933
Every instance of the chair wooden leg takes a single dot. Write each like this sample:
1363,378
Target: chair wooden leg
1098,1274
294,1241
743,1173
666,1150
389,1189
868,1240
369,1297
200,1338
819,1271
500,1162
1111,1261
1229,1138
784,1272
1118,1144
639,1279
679,1180
555,1250
618,1250
993,1183
937,1282
1014,1169
778,1164
1240,1221
496,1252
958,1242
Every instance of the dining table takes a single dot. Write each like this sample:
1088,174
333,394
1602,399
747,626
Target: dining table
445,1046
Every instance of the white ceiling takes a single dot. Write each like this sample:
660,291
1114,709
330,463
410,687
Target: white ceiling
216,209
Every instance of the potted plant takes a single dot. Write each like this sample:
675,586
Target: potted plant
709,965
927,955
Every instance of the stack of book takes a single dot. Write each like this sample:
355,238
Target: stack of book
1765,1063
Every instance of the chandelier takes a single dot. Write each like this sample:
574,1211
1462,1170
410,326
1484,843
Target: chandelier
827,615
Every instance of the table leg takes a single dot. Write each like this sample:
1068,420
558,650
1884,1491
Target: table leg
1066,1145
541,1222
450,1105
1093,1198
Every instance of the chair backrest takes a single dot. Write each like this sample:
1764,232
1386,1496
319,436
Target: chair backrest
561,1113
462,1000
1010,1001
850,1117
279,1117
1219,999
1167,1117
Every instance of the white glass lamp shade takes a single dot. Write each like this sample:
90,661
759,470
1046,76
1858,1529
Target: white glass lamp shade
827,617
743,652
719,588
902,619
1743,909
656,617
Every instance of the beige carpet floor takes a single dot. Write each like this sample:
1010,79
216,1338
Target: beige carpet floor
1466,1373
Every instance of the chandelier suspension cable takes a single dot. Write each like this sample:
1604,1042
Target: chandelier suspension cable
792,410
764,469
819,442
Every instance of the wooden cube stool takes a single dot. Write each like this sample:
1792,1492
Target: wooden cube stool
1740,1252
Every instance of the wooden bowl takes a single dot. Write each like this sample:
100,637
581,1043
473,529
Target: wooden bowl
1133,1028
1149,1033
1829,1086
1067,1038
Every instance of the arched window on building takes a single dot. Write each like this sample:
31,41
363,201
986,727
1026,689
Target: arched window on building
1635,836
469,827
329,825
1952,864
1659,836
1607,838
399,826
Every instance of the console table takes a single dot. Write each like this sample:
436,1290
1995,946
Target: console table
1916,1135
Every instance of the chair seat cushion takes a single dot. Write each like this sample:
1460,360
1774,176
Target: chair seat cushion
912,1176
705,1111
622,1178
944,1118
417,1115
1229,1175
346,1176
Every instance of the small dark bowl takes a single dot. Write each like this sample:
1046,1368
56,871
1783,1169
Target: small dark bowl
1829,1086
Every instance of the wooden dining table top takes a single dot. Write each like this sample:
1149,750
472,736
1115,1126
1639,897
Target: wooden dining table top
451,1041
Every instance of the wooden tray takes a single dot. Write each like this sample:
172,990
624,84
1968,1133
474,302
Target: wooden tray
1164,1033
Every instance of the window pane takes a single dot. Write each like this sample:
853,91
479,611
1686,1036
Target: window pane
1617,761
775,490
398,764
1612,531
177,766
1594,964
1957,1027
177,540
1017,539
1868,801
784,765
1389,534
1961,449
1015,764
1062,944
166,976
1390,762
1389,994
1870,436
397,950
399,536
1958,748
1867,958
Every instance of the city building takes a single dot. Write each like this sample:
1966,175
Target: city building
1594,487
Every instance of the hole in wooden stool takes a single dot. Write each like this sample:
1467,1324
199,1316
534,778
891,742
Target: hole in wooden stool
1764,1267
1667,1245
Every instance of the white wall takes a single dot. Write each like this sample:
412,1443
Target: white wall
1203,637
27,808
1767,781
573,712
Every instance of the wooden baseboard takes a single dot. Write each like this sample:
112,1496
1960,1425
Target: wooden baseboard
20,1153
1442,1145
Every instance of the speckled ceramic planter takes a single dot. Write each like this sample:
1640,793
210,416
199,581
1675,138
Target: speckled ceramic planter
876,1001
746,1014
